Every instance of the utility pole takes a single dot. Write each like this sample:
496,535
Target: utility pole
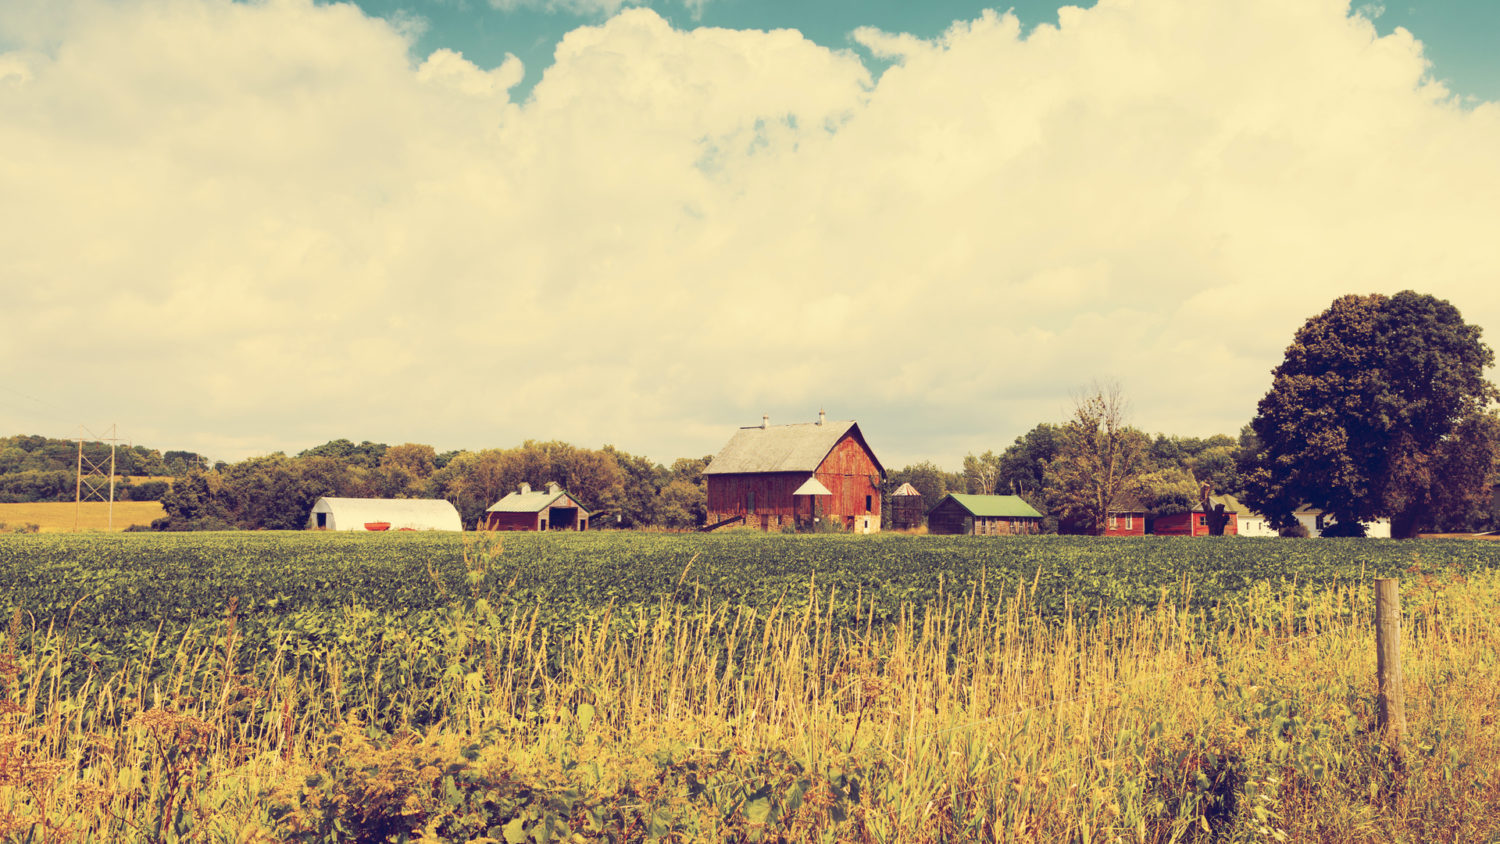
91,483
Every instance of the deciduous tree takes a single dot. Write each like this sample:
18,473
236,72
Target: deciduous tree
1362,408
1100,458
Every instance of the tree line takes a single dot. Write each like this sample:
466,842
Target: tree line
1379,409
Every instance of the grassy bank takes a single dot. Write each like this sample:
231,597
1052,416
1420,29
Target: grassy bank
967,717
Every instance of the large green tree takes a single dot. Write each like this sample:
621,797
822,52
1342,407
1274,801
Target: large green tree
1363,410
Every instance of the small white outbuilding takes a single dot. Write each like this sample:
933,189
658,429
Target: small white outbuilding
381,514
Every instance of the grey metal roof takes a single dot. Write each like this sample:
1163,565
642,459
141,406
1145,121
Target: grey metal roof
531,502
782,448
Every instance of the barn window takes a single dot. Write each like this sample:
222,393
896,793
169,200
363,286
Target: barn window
867,503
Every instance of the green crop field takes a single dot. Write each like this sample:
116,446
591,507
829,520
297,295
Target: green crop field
148,578
632,687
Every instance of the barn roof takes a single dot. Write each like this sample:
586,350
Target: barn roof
783,448
410,513
531,502
1011,506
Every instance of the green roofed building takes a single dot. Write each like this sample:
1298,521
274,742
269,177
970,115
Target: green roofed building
983,515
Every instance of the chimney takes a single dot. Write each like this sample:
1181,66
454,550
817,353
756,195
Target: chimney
525,488
765,420
822,417
553,488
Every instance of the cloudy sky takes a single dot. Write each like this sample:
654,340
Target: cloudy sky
246,227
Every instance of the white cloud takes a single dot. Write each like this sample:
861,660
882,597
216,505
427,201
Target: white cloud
257,226
582,8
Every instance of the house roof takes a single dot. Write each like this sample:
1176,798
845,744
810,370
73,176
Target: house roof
1013,506
400,513
1126,503
531,502
783,448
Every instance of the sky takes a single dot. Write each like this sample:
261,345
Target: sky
246,227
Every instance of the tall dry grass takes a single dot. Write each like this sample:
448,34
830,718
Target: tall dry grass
970,719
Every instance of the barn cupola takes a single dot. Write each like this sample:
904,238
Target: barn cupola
553,488
525,488
822,417
765,420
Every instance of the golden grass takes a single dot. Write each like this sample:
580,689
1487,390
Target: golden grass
57,516
968,720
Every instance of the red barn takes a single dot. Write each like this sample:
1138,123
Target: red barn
554,509
773,476
1195,523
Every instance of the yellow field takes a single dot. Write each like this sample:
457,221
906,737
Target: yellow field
55,516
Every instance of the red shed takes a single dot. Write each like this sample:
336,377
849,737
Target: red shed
771,476
1127,517
554,509
1195,523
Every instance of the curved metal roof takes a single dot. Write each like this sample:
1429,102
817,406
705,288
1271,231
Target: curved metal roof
399,513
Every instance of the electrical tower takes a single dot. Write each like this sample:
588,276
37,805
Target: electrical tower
92,479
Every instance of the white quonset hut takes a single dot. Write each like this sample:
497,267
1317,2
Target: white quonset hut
377,514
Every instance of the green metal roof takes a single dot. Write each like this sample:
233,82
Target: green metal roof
1011,506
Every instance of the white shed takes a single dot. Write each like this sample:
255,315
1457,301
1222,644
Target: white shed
377,514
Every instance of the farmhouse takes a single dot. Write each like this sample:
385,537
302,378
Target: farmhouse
773,476
983,515
1195,522
380,514
1317,523
524,509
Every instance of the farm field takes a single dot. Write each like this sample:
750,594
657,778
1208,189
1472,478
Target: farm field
326,687
59,516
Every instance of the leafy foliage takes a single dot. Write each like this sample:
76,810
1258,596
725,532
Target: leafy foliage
1360,417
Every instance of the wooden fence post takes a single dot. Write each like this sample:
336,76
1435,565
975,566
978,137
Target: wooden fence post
1392,689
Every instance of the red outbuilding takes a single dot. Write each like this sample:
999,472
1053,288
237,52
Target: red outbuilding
1127,517
1195,523
554,509
774,476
